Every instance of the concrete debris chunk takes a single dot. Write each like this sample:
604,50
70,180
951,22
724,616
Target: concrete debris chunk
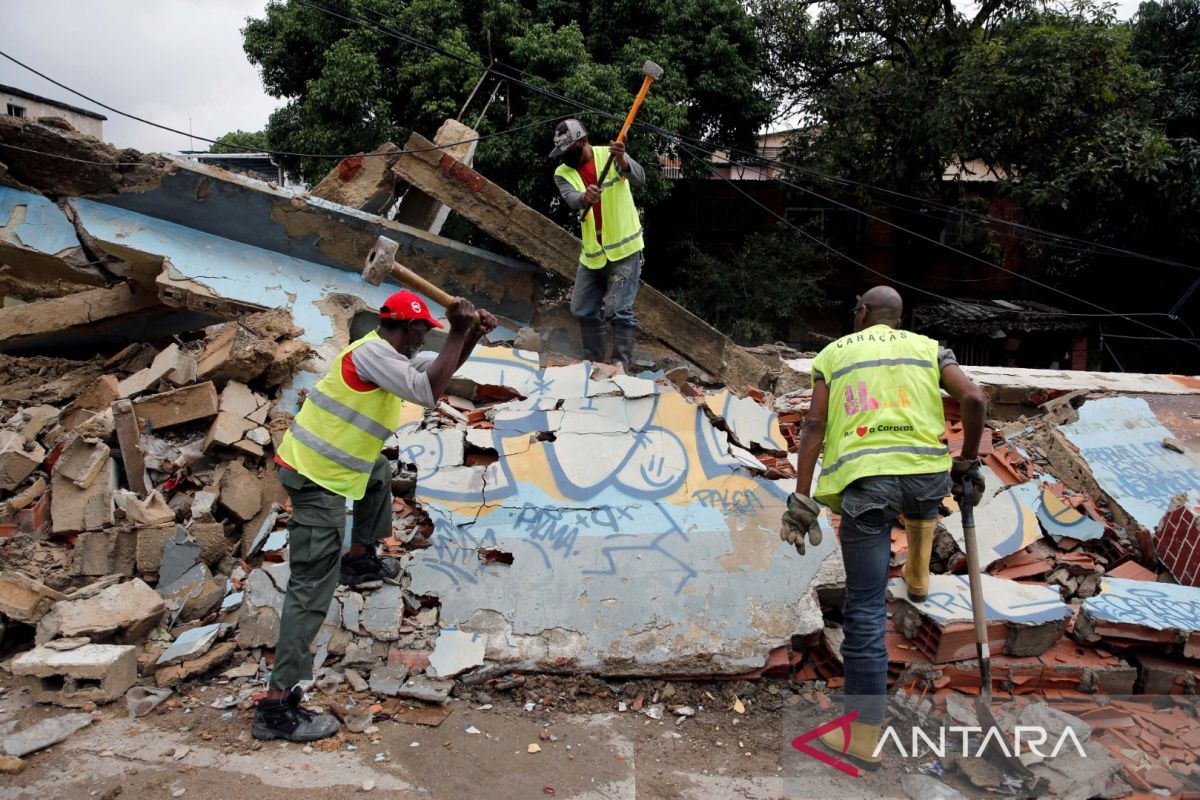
141,700
151,539
74,509
151,511
11,765
18,459
234,354
35,420
191,644
111,551
177,406
173,364
81,461
44,734
388,679
177,673
180,554
24,599
125,612
96,673
97,397
428,690
241,492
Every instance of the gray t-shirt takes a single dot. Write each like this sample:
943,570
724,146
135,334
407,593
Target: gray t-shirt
378,362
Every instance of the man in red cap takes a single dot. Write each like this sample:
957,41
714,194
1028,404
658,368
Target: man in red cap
330,455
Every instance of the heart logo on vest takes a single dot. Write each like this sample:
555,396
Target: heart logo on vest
861,431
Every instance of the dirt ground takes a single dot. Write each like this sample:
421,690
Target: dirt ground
588,749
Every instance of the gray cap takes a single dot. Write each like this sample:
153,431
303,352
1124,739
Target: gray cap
568,132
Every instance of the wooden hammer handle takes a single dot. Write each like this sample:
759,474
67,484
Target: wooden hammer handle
415,282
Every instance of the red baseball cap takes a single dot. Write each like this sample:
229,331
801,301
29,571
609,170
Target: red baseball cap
407,305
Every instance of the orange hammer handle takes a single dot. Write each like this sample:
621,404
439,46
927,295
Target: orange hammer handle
637,104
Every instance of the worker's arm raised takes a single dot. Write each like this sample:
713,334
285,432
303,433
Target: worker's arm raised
461,316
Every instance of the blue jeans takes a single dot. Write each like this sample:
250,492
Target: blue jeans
607,294
869,507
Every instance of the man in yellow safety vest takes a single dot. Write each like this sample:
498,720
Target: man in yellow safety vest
610,264
877,407
329,455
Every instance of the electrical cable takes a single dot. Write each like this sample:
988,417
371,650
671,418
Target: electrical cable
337,156
708,163
979,259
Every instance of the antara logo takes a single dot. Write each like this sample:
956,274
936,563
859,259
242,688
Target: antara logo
1026,738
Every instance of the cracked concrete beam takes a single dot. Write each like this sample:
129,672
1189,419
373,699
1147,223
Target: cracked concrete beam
440,175
82,311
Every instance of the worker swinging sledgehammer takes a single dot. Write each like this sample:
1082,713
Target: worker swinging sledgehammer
331,454
595,181
877,407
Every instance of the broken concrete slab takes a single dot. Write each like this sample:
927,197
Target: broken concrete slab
383,613
24,599
211,538
1120,438
95,673
81,460
427,690
129,438
151,539
180,554
388,679
98,396
112,551
1061,520
1005,520
173,364
419,209
263,605
456,652
234,354
1132,612
35,420
363,181
1027,618
18,459
43,734
80,312
125,612
141,700
177,673
241,491
191,645
151,511
74,509
177,406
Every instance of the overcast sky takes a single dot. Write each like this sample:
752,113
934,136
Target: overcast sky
177,62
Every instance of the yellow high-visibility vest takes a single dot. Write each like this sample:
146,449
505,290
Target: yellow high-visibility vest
622,225
885,412
336,438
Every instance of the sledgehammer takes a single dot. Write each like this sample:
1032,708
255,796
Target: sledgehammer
652,72
381,262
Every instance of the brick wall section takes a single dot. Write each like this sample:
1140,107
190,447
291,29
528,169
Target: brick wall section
1177,544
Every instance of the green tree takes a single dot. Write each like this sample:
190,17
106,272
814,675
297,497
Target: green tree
347,87
753,295
240,141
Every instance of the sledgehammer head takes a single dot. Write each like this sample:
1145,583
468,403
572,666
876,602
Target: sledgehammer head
653,70
380,260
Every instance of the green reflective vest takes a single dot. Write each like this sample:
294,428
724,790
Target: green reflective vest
885,409
622,226
336,438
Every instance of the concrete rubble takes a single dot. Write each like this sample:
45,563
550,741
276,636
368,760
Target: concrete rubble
564,519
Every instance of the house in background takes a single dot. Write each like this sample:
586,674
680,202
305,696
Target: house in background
26,105
256,165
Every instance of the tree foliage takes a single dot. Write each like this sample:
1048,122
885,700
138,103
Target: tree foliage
240,141
348,87
753,295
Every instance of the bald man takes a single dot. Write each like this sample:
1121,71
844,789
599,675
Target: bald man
883,457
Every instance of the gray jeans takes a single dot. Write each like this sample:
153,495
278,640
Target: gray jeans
607,294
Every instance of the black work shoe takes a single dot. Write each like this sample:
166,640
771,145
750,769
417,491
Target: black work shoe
367,568
285,719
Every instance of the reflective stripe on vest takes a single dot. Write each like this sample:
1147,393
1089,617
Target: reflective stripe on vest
622,225
336,438
885,409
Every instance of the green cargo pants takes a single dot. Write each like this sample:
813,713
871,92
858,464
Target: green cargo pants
315,532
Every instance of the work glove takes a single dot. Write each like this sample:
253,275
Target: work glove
966,470
799,519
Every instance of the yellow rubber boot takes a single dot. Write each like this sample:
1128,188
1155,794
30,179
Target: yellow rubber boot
864,738
920,546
